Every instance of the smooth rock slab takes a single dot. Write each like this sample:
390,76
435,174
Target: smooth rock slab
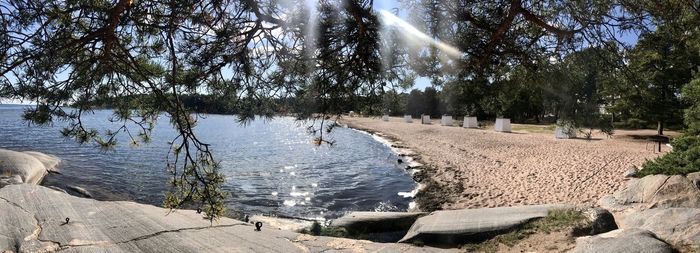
25,167
33,220
678,226
458,223
622,241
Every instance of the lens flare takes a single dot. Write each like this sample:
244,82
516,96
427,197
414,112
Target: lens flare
412,34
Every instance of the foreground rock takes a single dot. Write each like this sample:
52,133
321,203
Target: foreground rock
667,206
678,226
656,191
622,241
33,219
451,226
25,167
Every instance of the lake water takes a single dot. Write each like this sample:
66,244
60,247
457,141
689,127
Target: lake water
271,166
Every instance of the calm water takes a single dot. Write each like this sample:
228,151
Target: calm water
271,166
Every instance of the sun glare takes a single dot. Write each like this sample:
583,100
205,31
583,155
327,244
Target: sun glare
413,35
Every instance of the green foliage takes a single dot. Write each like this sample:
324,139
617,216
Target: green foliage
684,159
632,123
685,156
415,103
691,95
556,220
428,102
394,103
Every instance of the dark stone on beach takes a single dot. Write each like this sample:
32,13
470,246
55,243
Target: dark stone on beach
399,161
601,220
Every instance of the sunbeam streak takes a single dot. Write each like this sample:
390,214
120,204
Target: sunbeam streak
413,33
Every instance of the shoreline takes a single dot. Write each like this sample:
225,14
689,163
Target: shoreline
429,195
476,168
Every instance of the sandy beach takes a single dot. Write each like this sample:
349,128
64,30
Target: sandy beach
482,168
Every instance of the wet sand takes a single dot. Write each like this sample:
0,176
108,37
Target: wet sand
469,168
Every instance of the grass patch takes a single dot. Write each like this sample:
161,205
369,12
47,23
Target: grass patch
556,220
544,129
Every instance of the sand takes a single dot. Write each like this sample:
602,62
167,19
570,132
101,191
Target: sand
484,168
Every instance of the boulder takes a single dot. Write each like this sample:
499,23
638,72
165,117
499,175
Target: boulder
453,225
678,226
376,222
38,219
385,118
632,240
601,220
408,119
25,167
654,191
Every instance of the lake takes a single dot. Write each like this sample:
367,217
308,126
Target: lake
271,166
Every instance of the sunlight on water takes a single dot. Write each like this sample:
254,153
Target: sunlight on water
270,167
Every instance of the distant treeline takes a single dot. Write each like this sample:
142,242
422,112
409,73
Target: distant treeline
201,103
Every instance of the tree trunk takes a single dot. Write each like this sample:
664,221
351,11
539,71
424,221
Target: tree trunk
660,128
